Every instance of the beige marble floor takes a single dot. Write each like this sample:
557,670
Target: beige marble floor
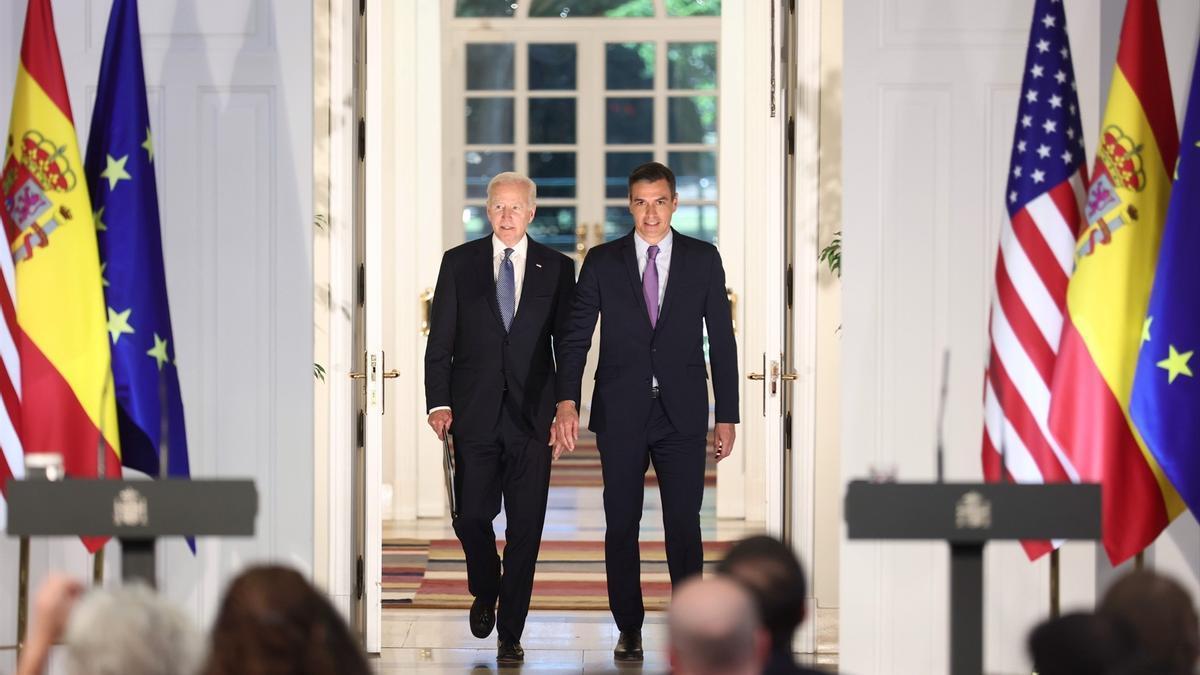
440,641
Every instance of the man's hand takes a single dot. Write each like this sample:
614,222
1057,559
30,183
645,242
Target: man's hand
723,435
565,431
440,421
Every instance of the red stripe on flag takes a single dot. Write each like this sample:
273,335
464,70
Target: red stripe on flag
1044,262
1066,199
1143,61
1026,425
40,56
1089,422
1034,548
1028,334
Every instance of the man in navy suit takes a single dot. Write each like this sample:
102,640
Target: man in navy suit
490,380
657,290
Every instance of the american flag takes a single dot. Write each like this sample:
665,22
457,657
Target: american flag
12,464
1046,186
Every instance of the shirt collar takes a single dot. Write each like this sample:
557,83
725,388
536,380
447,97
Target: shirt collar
520,249
664,246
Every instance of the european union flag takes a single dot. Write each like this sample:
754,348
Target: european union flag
1165,404
120,174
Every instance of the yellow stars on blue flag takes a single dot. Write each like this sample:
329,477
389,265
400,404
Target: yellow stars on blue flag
115,171
1146,328
103,270
98,218
1175,364
159,351
148,144
118,324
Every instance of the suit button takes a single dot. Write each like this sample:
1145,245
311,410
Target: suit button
653,350
506,343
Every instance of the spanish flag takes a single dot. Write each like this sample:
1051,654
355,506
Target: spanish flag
68,405
1110,290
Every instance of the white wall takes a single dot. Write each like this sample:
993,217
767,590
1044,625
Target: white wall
230,94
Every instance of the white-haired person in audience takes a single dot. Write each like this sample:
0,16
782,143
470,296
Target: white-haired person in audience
129,630
714,629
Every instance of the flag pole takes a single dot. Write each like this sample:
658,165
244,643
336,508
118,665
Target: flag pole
1139,560
1054,584
22,596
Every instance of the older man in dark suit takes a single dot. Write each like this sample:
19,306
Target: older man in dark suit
657,290
500,302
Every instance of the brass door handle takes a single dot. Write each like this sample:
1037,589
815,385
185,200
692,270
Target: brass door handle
757,377
789,377
393,373
358,375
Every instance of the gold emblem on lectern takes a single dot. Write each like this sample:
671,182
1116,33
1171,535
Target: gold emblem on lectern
130,509
973,512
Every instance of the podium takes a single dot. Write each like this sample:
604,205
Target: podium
967,516
135,512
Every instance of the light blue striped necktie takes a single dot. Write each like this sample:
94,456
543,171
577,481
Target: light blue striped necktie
506,289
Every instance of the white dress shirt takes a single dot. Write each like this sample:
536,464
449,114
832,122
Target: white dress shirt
518,260
662,261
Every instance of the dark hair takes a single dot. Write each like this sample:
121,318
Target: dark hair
272,622
1161,617
652,172
772,573
1083,644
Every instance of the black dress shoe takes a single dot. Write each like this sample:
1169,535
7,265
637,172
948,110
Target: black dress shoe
509,651
629,646
483,617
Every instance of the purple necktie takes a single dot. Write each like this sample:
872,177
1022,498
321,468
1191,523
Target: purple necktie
650,285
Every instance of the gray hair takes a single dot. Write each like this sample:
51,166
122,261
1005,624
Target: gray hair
131,630
512,177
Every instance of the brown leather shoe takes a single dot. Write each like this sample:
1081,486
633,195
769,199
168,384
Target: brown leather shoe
629,646
509,651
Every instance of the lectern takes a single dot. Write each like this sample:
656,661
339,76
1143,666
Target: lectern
135,512
967,516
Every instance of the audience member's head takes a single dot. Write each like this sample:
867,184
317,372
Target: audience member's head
714,629
133,631
1081,644
1161,616
272,621
771,571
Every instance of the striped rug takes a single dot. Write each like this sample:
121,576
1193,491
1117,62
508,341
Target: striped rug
581,468
570,574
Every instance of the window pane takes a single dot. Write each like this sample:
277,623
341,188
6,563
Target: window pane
692,65
469,8
696,221
489,120
552,120
475,222
481,166
617,167
692,119
618,221
693,7
489,66
629,65
554,173
554,226
629,120
695,174
569,8
552,66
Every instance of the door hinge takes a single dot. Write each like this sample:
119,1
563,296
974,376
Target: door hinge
787,431
787,286
791,135
362,139
360,430
362,284
359,580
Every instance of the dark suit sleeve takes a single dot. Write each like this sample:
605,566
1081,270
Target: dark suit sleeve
722,349
562,307
571,351
439,349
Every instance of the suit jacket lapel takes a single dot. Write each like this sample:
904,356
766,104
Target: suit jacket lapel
674,274
629,253
534,277
483,267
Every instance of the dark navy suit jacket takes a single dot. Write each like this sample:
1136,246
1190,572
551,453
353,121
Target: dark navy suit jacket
471,363
631,352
